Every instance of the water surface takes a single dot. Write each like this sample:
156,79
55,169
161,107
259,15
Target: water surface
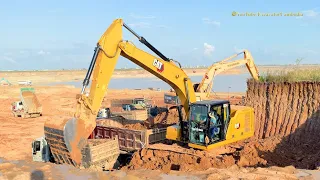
222,83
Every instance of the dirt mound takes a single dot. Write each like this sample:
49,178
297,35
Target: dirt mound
185,159
166,161
250,153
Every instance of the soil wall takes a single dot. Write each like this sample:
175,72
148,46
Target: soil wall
285,109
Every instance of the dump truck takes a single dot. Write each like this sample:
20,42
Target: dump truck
97,153
130,140
137,103
171,99
132,115
29,106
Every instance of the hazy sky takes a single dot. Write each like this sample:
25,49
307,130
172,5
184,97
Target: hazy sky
62,34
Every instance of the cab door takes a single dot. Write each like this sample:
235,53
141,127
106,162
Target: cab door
198,124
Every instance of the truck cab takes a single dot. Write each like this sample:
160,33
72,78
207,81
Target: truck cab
17,106
41,150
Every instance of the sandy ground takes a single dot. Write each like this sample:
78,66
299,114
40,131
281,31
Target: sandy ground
17,134
45,77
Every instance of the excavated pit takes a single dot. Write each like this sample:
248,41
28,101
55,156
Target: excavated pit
287,125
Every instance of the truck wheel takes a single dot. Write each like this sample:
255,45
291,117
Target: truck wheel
116,165
128,159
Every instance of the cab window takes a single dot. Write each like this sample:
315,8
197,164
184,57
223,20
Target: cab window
217,109
198,113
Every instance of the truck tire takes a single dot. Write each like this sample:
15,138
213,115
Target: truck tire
116,165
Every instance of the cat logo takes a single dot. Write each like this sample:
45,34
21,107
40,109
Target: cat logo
158,65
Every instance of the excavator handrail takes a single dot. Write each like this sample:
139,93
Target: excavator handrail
205,86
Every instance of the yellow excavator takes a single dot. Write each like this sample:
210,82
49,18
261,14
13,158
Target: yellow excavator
204,88
66,137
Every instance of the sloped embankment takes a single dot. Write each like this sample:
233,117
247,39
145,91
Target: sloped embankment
283,108
290,111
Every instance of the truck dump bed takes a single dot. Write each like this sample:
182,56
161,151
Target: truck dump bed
129,139
100,153
30,101
133,115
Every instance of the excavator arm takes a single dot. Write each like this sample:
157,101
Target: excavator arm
205,86
66,137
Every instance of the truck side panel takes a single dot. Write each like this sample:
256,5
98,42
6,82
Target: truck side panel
129,140
100,153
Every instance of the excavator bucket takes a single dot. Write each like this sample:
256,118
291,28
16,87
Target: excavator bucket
67,137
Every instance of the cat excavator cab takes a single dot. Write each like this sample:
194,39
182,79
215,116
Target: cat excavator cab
67,137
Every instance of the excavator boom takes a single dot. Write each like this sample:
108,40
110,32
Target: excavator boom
66,137
205,86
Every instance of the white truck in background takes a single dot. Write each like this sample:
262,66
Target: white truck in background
25,83
29,106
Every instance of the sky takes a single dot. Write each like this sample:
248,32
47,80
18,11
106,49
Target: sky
56,34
